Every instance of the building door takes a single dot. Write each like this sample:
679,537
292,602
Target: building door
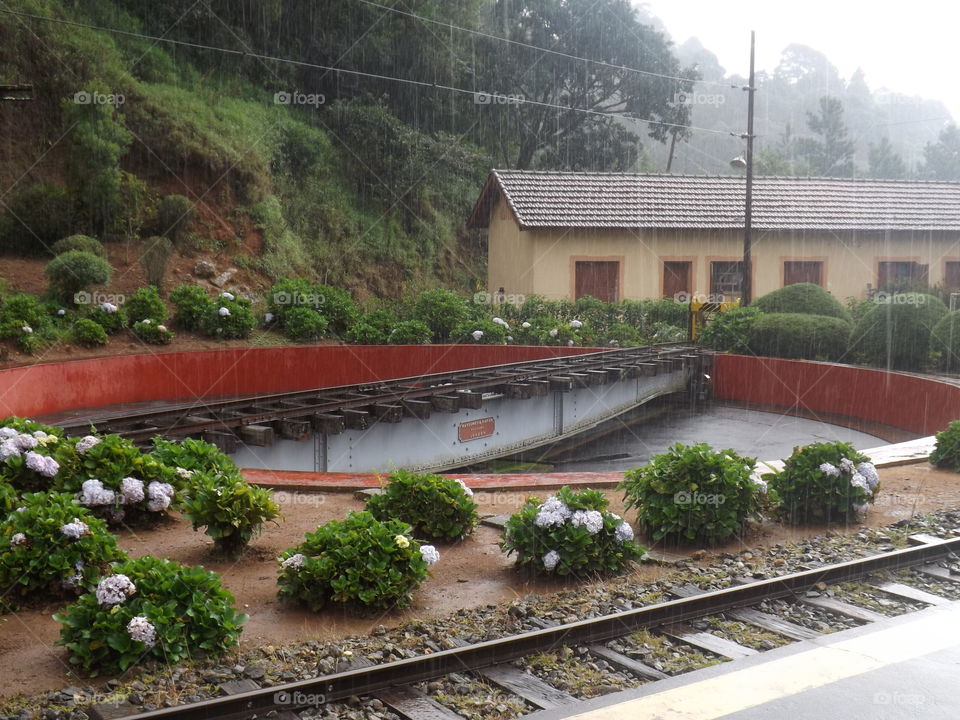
676,278
951,276
802,271
598,279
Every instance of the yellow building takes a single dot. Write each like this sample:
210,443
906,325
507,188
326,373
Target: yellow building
615,236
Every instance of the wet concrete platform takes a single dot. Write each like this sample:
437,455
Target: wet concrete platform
902,668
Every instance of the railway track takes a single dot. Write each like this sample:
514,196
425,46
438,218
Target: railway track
332,409
604,640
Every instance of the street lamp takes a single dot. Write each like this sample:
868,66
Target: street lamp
741,162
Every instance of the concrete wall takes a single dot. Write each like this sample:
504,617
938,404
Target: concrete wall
542,261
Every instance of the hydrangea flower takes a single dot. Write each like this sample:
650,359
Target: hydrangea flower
108,307
476,335
26,442
509,338
147,321
71,581
467,490
861,509
41,464
294,561
93,493
74,530
48,440
829,470
401,541
503,323
27,329
162,328
429,553
590,519
525,325
8,449
8,432
184,473
224,312
847,464
159,496
268,318
131,490
869,472
61,312
553,511
85,443
623,533
227,295
553,333
551,559
576,324
18,539
758,481
114,589
569,343
141,630
859,481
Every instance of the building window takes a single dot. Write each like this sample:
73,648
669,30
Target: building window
725,278
676,278
901,275
803,271
597,279
951,275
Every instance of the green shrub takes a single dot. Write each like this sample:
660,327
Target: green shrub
145,304
441,311
335,305
946,452
805,299
730,330
668,311
303,323
110,317
47,210
825,482
791,335
571,533
22,311
479,332
192,304
79,242
434,506
623,335
77,270
154,257
89,334
191,454
229,318
694,493
945,341
374,328
174,213
166,612
9,498
52,548
358,560
152,333
338,307
231,510
896,331
33,456
409,332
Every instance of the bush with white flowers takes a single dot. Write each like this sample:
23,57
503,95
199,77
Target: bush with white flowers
33,456
435,506
149,609
51,547
570,533
359,560
825,482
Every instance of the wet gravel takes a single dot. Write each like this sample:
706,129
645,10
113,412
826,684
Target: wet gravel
157,686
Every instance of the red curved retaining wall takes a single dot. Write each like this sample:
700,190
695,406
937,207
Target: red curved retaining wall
51,388
917,404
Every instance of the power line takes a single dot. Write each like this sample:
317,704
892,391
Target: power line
500,38
375,76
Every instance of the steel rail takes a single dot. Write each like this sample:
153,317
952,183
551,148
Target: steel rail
330,399
368,680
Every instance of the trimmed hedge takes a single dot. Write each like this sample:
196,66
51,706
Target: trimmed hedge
897,331
803,299
792,335
945,341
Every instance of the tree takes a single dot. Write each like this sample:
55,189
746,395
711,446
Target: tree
942,158
885,162
678,115
830,153
560,95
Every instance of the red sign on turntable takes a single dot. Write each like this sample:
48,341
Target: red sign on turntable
476,429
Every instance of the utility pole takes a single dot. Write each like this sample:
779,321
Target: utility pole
746,295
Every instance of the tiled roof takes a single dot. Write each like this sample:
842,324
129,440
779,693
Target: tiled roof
616,200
